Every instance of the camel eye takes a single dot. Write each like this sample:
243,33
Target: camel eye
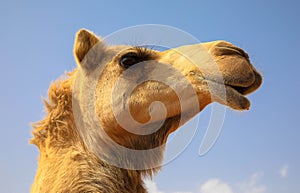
129,59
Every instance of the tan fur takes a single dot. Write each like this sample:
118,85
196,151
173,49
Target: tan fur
66,164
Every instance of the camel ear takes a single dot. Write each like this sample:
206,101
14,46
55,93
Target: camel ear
87,49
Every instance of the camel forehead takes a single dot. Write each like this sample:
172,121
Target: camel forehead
118,48
112,51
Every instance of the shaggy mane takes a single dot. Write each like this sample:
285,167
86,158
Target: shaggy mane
58,123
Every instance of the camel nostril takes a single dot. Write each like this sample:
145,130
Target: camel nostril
230,50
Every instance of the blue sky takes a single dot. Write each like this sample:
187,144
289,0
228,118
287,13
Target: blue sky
257,151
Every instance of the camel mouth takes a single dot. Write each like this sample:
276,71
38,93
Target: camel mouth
237,74
245,90
236,95
228,92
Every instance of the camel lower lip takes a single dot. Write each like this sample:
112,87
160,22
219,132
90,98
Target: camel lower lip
228,95
236,99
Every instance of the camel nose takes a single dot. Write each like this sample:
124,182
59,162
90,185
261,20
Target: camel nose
235,66
222,48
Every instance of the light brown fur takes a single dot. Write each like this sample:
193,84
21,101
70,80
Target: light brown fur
66,164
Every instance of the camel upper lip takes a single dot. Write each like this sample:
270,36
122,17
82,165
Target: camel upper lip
229,93
248,89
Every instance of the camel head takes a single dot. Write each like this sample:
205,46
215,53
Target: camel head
141,95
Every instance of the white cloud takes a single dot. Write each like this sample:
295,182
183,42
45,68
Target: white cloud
215,186
251,185
151,186
284,171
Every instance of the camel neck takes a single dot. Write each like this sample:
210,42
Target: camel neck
65,164
75,170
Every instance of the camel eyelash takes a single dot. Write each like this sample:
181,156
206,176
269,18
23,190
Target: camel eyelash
144,52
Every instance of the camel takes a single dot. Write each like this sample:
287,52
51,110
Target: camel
74,159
